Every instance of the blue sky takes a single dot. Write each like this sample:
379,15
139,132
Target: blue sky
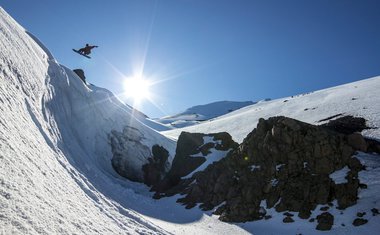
201,51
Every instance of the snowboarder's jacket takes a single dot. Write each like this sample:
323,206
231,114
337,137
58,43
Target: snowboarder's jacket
86,50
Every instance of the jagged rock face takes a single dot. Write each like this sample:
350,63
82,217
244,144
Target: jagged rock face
284,162
155,170
190,144
192,151
129,153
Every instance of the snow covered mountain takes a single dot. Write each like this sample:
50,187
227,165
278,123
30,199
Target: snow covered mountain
359,99
56,175
200,113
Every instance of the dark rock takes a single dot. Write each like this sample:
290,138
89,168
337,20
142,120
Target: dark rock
80,74
155,170
347,124
288,214
373,146
267,217
362,186
360,214
192,143
375,211
184,163
219,210
288,219
357,141
359,222
283,161
354,164
304,214
347,194
325,221
325,208
311,220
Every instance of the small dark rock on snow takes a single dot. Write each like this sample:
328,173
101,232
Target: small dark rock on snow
360,214
375,211
288,219
325,208
325,221
359,221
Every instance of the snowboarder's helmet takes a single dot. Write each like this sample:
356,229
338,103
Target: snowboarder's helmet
86,44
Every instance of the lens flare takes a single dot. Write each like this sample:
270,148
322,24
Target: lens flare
137,88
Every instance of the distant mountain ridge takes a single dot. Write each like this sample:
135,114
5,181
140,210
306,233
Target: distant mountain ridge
199,113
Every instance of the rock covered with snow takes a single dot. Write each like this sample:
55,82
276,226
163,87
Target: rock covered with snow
195,151
293,162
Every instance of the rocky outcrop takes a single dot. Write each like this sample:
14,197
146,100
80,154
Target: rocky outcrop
352,126
193,149
347,124
155,170
80,74
284,163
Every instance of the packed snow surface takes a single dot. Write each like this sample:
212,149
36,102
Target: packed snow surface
55,170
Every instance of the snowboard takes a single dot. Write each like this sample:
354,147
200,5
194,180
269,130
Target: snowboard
81,54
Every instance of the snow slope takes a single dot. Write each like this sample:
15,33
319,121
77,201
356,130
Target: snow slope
199,113
55,157
55,170
357,99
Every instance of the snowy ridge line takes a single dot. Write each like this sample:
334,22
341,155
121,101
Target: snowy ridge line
357,99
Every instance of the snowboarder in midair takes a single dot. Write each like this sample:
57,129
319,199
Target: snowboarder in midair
86,50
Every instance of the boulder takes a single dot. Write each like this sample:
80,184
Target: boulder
359,222
80,74
347,124
288,219
155,170
283,161
192,151
325,221
375,211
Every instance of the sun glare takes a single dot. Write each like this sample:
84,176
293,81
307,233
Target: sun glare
137,88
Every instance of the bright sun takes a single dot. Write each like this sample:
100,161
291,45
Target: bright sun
137,88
